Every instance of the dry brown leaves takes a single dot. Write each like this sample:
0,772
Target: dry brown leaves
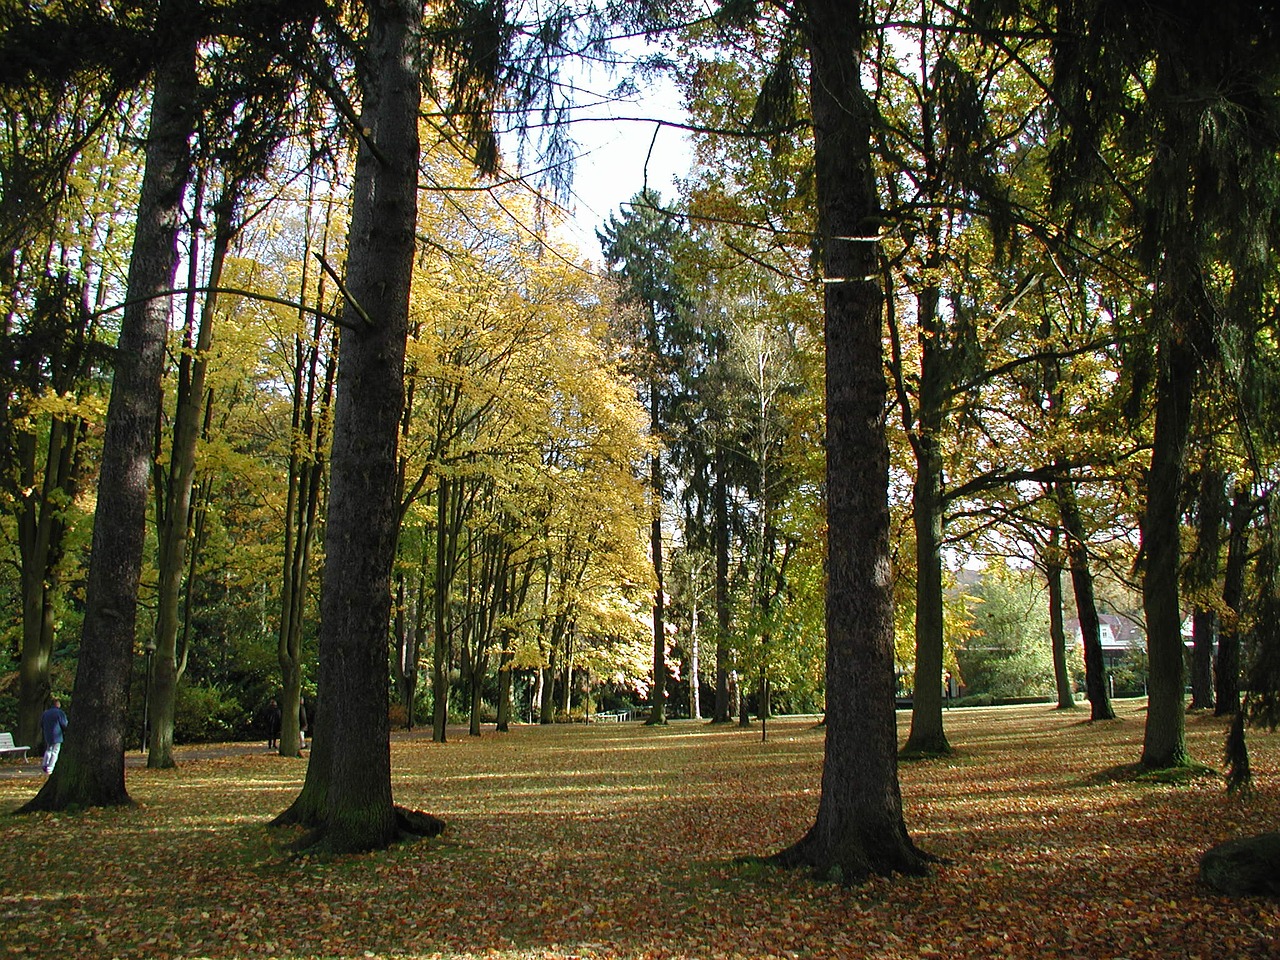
623,841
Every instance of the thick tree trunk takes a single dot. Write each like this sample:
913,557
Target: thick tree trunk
353,729
90,771
859,829
1164,740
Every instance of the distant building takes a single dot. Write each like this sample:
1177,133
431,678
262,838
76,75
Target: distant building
1118,633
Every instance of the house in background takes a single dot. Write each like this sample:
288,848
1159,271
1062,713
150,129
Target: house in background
1122,638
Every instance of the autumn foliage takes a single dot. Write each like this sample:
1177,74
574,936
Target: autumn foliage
632,842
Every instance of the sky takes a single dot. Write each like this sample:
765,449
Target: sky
615,159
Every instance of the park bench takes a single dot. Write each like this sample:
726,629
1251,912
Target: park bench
611,716
9,749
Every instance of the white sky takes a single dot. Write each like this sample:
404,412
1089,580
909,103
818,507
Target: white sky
615,160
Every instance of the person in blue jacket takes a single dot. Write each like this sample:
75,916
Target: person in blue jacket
53,723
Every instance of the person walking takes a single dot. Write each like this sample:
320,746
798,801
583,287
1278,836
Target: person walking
53,724
302,723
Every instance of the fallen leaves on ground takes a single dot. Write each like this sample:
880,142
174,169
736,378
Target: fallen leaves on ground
630,842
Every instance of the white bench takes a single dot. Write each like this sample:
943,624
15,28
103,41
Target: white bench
9,749
611,716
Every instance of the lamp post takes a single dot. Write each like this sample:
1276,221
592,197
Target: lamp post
150,650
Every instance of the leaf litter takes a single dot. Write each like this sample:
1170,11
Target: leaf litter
629,842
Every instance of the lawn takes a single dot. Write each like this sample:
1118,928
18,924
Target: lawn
625,841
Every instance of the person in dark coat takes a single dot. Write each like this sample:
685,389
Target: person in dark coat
53,724
302,723
273,718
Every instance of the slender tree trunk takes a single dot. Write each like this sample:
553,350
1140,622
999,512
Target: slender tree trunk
658,699
506,657
1057,633
928,737
1204,637
859,829
440,659
1164,739
1227,665
174,515
724,704
90,771
695,668
313,387
1202,580
41,532
353,729
546,691
1095,668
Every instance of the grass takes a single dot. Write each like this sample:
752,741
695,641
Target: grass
634,842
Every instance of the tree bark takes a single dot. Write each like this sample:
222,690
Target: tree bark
724,704
313,384
173,521
859,829
658,699
928,736
1095,668
41,533
1226,668
353,728
1057,633
90,771
1164,739
1202,578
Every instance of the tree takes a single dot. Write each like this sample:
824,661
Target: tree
859,828
245,112
91,769
346,798
1196,88
640,248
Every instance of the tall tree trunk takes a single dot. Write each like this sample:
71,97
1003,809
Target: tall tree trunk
90,771
695,668
724,704
928,737
1227,664
448,522
859,829
313,386
174,515
1204,637
1057,633
1095,668
41,533
353,728
505,658
1164,738
1202,581
658,699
